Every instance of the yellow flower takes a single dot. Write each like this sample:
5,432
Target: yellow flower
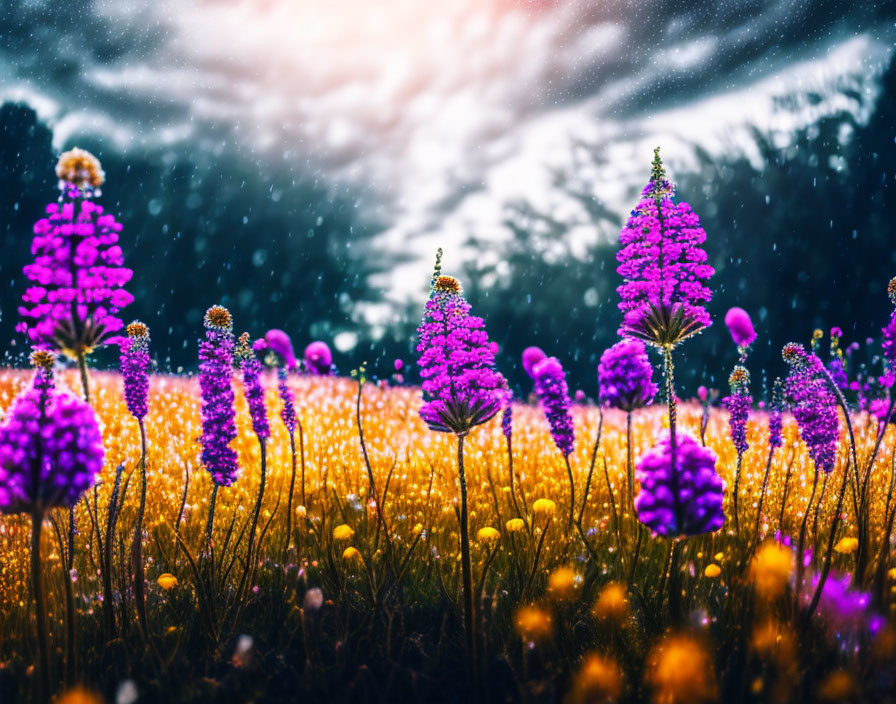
771,569
599,680
545,507
847,546
712,571
488,535
680,671
167,581
343,532
515,525
533,624
563,583
350,554
417,529
839,686
611,604
301,511
79,696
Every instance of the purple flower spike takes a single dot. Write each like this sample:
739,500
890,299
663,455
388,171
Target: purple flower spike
775,418
460,383
531,357
281,344
251,370
625,376
51,450
740,326
553,394
78,272
507,417
663,266
738,405
135,369
318,358
216,355
684,500
288,412
888,343
814,405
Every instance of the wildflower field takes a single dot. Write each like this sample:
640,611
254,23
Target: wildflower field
270,530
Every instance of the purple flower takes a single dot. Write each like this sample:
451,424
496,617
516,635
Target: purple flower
775,418
507,417
279,341
838,373
888,343
531,357
625,376
288,412
663,266
251,369
681,500
814,405
78,272
51,450
460,384
553,395
216,354
134,366
738,405
318,358
846,611
740,326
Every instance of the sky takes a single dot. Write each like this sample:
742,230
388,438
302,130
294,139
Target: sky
435,124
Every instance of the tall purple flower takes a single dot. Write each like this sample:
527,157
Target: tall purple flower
507,417
682,500
288,412
553,395
216,355
775,417
78,272
318,358
51,450
134,365
531,357
460,383
663,266
625,376
738,405
814,405
251,369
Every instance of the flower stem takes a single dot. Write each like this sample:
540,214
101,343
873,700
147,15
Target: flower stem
802,544
572,492
768,466
137,548
669,372
629,464
42,682
292,485
736,491
466,566
85,384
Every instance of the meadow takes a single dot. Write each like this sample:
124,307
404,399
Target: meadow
268,530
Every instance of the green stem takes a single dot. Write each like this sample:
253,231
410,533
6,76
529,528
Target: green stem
737,491
466,566
82,366
292,484
801,545
629,464
137,548
768,466
42,681
669,371
572,492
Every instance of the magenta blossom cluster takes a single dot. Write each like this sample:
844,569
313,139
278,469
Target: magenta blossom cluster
813,404
216,357
532,356
625,376
664,267
461,386
888,342
553,395
134,364
251,369
741,327
318,358
77,277
279,342
682,500
51,450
